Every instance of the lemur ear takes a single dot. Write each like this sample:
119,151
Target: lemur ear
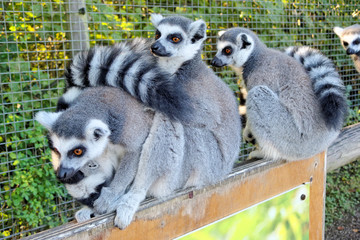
197,31
243,40
220,33
96,129
156,19
338,31
47,119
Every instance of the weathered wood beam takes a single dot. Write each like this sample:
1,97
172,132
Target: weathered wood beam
345,149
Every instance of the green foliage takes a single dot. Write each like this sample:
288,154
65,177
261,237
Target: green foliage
283,217
34,49
33,185
342,191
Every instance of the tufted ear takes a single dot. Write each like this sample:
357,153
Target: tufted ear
47,119
197,31
156,19
96,129
338,31
243,40
220,33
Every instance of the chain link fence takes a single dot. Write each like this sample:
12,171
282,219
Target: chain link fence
39,37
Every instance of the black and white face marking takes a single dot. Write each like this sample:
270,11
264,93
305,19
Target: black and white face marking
231,53
350,41
70,154
224,56
351,44
177,40
168,43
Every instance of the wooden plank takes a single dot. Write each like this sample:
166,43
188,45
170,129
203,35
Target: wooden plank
345,149
317,198
188,210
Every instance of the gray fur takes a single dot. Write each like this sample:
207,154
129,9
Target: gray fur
215,105
152,154
283,112
183,22
350,40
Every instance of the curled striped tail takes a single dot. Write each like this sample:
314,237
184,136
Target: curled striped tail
131,67
326,82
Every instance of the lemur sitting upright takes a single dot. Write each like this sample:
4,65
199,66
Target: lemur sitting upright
350,40
295,109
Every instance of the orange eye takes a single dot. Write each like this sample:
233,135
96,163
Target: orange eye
157,36
78,151
227,51
176,39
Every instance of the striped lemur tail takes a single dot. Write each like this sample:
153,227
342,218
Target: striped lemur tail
326,82
131,67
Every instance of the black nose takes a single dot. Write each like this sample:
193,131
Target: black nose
216,62
69,175
350,51
65,173
155,47
158,49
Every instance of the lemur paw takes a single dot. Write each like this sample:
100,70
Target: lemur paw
84,214
256,154
124,215
106,201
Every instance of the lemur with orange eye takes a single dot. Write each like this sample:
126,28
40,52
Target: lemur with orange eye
167,75
187,100
296,102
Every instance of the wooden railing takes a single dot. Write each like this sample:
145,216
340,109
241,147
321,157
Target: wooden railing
190,209
249,184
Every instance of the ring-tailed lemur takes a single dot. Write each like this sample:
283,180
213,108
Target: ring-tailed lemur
151,154
206,101
171,78
293,111
350,40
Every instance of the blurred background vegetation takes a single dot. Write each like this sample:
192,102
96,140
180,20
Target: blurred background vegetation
283,217
35,46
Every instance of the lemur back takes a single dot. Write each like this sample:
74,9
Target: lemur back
350,40
288,104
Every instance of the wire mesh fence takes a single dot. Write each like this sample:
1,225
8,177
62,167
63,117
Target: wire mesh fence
39,37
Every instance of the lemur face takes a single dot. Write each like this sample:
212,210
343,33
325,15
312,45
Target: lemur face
351,44
71,154
350,39
233,51
177,37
